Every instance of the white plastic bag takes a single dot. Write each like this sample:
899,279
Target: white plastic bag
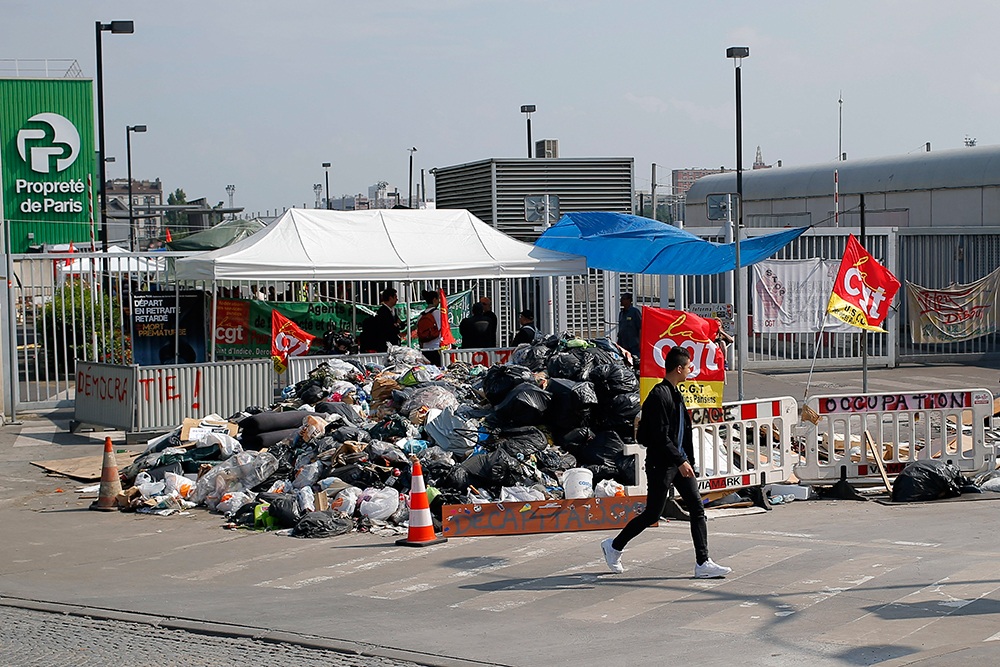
607,488
178,484
346,501
379,504
307,499
308,476
227,444
230,502
520,494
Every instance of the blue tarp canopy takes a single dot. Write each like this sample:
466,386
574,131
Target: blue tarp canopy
630,244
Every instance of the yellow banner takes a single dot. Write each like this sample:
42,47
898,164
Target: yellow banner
696,394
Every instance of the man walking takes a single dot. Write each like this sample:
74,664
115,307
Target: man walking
665,431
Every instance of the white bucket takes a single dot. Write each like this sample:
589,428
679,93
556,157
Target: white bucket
578,483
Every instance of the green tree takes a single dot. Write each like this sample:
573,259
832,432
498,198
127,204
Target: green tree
77,327
176,221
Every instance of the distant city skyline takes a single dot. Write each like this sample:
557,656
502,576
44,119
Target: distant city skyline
259,95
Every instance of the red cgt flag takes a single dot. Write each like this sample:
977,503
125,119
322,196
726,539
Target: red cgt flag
287,340
664,329
168,235
864,289
446,337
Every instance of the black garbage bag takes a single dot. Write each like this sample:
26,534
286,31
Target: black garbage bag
268,440
313,394
927,480
345,433
284,508
501,379
492,469
525,405
612,380
457,478
534,357
619,414
391,427
573,440
603,450
243,516
601,357
361,475
602,471
571,404
522,442
338,408
626,469
567,365
553,460
267,422
323,524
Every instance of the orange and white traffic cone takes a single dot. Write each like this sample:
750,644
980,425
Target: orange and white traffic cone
421,533
111,485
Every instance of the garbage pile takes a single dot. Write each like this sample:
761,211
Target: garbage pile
335,453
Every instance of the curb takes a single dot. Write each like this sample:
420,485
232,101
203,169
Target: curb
215,629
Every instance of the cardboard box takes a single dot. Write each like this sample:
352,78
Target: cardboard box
194,429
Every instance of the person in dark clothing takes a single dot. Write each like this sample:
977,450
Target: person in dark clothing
386,325
475,329
492,317
665,431
629,325
527,332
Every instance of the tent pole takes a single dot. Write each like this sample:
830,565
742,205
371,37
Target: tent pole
177,320
215,314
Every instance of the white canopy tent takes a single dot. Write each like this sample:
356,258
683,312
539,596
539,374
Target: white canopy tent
382,244
117,260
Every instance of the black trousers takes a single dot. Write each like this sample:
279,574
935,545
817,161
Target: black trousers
658,483
433,356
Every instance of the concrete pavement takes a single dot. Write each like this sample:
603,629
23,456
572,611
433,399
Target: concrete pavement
830,582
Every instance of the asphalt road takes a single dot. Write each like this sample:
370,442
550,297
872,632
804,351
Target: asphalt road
822,582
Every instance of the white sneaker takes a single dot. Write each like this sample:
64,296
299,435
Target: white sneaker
612,556
711,570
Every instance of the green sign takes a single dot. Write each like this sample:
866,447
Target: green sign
46,157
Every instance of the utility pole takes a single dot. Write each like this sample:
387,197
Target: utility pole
652,192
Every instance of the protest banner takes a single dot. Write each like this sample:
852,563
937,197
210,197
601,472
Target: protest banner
160,322
790,295
664,329
287,340
954,313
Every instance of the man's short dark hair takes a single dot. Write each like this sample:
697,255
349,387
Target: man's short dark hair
477,309
388,293
627,295
429,296
528,315
676,357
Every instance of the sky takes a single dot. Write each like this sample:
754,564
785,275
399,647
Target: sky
259,94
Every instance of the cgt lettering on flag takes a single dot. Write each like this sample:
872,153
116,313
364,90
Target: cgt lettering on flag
664,329
287,340
863,291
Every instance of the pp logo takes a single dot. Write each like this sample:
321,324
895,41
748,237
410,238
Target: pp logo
39,147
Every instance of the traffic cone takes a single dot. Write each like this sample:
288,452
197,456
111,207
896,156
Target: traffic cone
111,485
421,533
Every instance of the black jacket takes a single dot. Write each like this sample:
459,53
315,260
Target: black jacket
475,331
658,427
386,326
525,334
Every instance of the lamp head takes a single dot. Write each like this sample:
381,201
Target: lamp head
738,52
120,27
136,128
326,165
527,108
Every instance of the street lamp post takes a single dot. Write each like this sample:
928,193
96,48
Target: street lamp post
409,198
132,240
326,165
120,28
738,53
527,110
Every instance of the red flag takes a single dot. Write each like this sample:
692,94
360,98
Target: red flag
287,340
446,337
864,289
665,329
168,235
69,262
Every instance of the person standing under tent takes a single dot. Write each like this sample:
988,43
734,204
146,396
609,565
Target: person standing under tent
488,313
475,329
665,430
629,325
527,333
429,327
387,322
